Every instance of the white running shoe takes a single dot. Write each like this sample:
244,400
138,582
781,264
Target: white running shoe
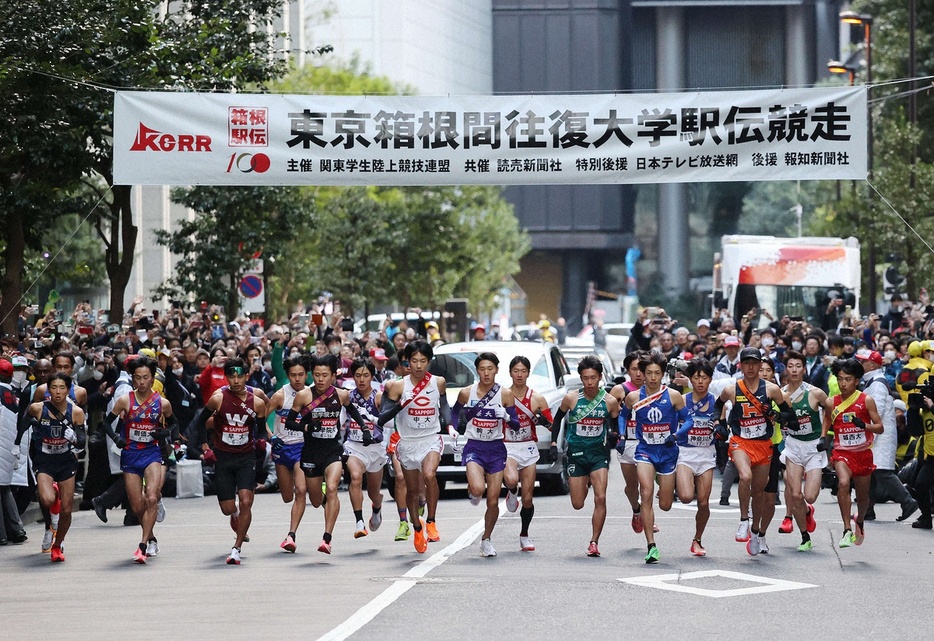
47,540
360,531
512,501
376,519
474,500
160,512
742,532
152,548
486,548
54,519
763,546
752,545
525,544
234,558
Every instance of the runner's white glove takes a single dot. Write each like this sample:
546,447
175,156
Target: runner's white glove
70,435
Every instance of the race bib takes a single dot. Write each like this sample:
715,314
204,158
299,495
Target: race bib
753,427
55,448
700,434
141,435
235,438
849,435
631,428
655,433
589,427
804,426
328,429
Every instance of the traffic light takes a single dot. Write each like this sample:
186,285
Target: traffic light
893,282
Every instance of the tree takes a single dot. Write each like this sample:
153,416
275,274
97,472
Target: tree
231,226
47,52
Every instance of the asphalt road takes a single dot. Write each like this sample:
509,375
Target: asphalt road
374,587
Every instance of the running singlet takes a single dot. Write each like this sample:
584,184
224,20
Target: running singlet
526,431
484,424
354,433
631,416
700,433
50,434
657,420
326,417
590,428
809,420
847,436
234,423
140,421
289,437
421,417
746,421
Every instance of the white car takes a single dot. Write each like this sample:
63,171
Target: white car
550,377
617,337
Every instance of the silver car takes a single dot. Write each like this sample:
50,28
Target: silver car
550,377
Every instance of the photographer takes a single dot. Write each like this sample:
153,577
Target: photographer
920,420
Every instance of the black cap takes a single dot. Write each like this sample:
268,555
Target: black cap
750,354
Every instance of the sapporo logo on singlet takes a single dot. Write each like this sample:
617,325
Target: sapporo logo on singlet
422,410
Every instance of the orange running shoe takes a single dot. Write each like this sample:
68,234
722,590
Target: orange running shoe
57,555
433,536
421,543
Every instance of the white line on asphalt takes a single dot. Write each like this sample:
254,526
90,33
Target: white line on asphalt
674,583
399,587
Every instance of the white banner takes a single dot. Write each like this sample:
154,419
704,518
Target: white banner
265,139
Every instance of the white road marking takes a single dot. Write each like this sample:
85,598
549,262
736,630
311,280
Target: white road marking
766,584
399,587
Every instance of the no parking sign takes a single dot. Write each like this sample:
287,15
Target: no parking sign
252,298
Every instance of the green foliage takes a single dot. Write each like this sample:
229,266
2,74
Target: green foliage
231,224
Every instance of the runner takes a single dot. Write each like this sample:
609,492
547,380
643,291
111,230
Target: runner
749,428
697,455
64,363
421,405
363,459
486,406
854,421
804,456
626,448
58,430
767,373
592,418
238,415
658,411
287,447
522,446
320,408
138,422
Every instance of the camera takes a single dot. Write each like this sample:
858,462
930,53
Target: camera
915,401
676,366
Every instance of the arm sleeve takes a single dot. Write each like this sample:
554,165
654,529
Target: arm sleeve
354,413
292,423
456,417
444,411
686,425
23,426
388,410
112,425
202,425
172,424
556,425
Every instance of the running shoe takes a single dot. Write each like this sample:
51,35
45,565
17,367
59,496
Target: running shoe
637,522
787,526
653,556
512,501
360,531
139,555
54,518
152,547
234,558
421,543
763,546
592,549
806,546
325,547
742,532
486,548
402,534
859,534
376,519
99,509
753,547
160,511
288,544
57,554
655,528
474,500
421,508
432,532
847,539
725,501
810,523
47,540
696,548
525,544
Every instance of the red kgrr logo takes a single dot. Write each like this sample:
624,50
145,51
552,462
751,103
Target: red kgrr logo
151,140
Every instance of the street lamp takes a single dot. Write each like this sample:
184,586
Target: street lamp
835,66
865,20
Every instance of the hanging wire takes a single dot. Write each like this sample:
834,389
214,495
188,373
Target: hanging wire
902,218
52,259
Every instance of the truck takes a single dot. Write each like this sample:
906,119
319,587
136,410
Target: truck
797,277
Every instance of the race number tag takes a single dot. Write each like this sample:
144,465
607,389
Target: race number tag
752,427
589,427
700,434
141,435
655,433
235,438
